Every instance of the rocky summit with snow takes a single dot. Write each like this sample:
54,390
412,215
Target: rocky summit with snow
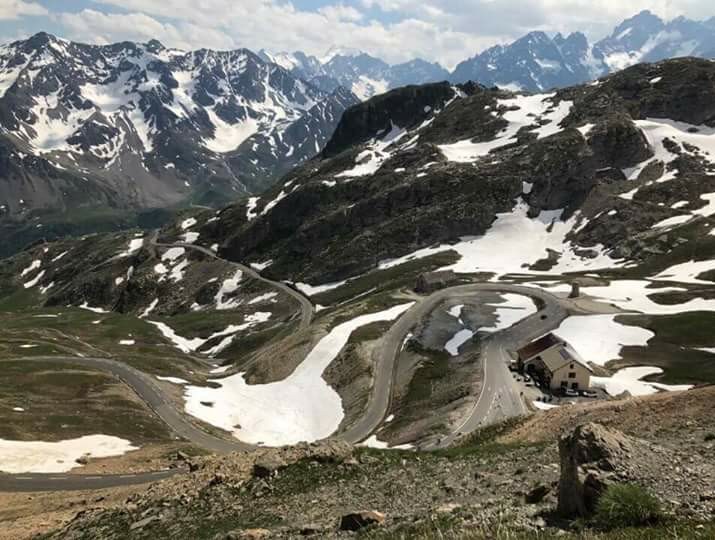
103,137
609,174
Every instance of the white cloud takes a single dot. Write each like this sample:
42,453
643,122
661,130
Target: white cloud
14,9
444,30
281,26
97,27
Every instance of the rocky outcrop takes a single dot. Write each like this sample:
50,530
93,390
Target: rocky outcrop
592,457
403,107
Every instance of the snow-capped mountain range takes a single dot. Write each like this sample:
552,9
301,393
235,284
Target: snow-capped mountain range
140,125
539,62
363,74
533,63
88,130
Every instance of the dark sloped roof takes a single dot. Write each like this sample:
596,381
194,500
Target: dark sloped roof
535,347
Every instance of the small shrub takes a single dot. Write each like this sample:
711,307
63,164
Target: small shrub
710,437
627,505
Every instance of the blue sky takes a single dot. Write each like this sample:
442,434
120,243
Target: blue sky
396,30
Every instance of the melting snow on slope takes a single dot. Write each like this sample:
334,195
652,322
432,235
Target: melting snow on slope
600,338
57,457
544,406
227,137
457,340
229,286
657,130
34,281
34,265
268,297
515,240
189,345
512,309
172,380
188,223
529,108
629,380
190,237
312,290
135,244
53,124
687,272
370,160
634,295
302,407
86,306
183,344
374,442
175,270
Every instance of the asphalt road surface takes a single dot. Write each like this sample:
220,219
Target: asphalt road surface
497,376
146,388
77,482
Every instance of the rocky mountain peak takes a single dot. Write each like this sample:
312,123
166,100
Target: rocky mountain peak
135,126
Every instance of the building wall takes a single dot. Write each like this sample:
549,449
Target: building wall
579,375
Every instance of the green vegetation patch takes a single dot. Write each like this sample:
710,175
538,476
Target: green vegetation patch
627,505
404,275
675,346
63,401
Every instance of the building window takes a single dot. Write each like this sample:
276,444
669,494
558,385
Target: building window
572,375
571,366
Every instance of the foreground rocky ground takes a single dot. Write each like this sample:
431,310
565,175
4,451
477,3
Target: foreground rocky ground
504,482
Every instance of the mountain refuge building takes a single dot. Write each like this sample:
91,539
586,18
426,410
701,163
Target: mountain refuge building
555,364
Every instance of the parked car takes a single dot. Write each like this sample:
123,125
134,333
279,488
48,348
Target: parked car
589,393
527,378
570,392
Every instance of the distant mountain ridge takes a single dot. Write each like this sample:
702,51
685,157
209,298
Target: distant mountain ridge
534,62
92,135
357,71
538,62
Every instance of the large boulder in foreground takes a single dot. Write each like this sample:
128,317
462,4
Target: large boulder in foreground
592,457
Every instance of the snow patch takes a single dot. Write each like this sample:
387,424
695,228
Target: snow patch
57,457
302,407
600,338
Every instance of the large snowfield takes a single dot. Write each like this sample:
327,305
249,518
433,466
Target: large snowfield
600,338
58,457
514,240
301,407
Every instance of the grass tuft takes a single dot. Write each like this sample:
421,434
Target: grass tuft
627,505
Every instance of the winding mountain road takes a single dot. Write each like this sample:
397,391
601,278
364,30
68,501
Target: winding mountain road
495,356
499,396
307,310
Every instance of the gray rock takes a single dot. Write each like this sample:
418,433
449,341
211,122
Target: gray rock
359,520
589,455
537,494
268,467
